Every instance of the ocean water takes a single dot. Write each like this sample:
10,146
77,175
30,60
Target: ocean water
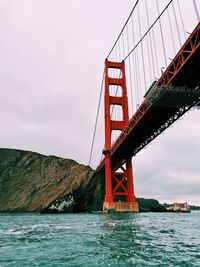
144,239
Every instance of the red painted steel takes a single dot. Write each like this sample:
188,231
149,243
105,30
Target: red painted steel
119,181
152,119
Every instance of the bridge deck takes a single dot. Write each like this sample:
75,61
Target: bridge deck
177,91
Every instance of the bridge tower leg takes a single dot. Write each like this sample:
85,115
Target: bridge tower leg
119,193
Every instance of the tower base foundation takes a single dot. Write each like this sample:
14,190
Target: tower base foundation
120,207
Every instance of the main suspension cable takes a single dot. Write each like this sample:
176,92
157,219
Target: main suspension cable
97,116
123,28
145,34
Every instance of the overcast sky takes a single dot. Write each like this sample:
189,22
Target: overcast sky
51,64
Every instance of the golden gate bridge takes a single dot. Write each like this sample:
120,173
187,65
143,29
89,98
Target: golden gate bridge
153,67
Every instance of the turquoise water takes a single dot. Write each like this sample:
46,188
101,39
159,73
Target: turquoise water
145,239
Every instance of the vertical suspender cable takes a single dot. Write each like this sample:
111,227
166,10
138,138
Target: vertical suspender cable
170,26
137,83
196,10
136,70
182,23
161,32
139,79
155,51
179,37
123,45
117,58
130,76
145,82
149,59
120,57
133,59
150,39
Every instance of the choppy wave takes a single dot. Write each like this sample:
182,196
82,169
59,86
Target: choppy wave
146,239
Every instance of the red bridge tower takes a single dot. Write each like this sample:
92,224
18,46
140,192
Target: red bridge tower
119,193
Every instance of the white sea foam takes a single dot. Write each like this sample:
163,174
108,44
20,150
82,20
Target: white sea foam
14,232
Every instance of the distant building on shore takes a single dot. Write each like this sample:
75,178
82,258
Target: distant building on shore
179,207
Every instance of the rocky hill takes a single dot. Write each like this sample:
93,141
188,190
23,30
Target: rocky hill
33,182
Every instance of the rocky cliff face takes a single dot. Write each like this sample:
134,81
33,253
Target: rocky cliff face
33,182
